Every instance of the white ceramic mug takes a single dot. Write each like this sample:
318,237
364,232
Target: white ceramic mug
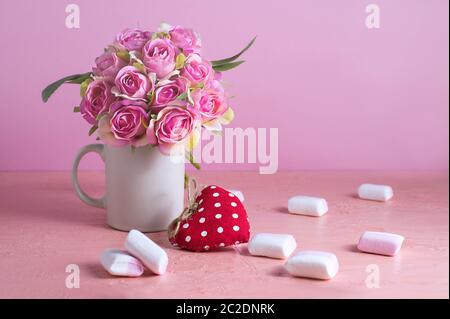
144,188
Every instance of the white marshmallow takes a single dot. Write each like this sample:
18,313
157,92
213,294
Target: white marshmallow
307,205
313,264
143,248
120,263
238,194
375,192
278,246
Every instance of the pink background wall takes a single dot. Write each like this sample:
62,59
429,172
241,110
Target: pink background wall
343,96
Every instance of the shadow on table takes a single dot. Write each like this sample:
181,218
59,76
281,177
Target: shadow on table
351,248
95,269
243,251
282,209
279,271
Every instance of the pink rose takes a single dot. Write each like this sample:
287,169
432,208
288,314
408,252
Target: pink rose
131,82
97,100
210,102
186,39
126,125
108,64
133,39
172,127
159,56
168,91
197,70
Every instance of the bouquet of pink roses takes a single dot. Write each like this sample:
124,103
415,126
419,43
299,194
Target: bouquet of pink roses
153,89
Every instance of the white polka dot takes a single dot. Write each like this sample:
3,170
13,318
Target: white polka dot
204,233
206,247
201,201
185,225
175,244
218,216
235,228
237,242
217,205
202,220
221,245
216,195
233,204
235,215
201,209
220,230
231,194
188,239
213,187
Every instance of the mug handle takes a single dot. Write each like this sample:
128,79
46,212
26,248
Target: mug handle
95,148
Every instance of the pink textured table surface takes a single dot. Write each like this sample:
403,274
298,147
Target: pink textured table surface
44,227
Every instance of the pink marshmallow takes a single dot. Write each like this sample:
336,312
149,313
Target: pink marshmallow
380,243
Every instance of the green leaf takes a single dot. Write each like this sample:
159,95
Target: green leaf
144,123
234,57
140,67
76,109
111,48
227,66
218,133
181,59
186,180
190,157
198,86
196,165
84,86
189,97
182,96
150,97
93,129
81,79
73,79
228,116
124,55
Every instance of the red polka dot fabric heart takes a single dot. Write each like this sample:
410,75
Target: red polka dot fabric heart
219,221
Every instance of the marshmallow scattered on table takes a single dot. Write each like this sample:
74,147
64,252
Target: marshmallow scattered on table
238,194
278,246
143,248
307,205
380,243
120,263
313,264
375,192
